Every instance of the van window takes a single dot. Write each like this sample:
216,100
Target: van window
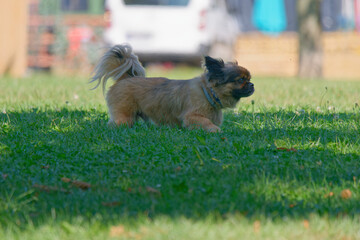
157,2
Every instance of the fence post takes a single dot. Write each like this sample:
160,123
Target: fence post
13,37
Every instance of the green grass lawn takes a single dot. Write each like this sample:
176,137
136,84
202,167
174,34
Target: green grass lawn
286,166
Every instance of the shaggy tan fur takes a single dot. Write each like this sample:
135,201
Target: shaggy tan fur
170,102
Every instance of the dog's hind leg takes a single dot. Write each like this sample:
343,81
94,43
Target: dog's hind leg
122,108
119,118
122,119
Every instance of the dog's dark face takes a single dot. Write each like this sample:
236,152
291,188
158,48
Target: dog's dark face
231,81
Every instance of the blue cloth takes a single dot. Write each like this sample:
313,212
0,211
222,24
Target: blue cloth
330,14
269,16
291,15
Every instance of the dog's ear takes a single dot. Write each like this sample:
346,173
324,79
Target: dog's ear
215,69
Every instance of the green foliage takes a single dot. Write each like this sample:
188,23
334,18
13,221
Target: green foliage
280,165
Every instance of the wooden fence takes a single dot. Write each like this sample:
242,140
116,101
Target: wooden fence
278,56
13,37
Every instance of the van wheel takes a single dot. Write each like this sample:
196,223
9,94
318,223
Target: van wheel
223,51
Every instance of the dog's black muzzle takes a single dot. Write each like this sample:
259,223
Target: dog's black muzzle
246,91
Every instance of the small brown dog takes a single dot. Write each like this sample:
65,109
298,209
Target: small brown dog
194,103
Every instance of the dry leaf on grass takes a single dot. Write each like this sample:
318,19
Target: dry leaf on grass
306,224
117,231
346,194
257,226
287,149
152,190
48,189
81,185
78,184
45,167
330,194
66,180
111,204
120,232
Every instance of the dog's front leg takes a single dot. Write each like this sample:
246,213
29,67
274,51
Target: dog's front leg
198,121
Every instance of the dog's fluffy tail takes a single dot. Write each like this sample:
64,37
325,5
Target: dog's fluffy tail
117,63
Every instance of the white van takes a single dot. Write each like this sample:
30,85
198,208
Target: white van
171,30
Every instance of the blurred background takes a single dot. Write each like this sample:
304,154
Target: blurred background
289,38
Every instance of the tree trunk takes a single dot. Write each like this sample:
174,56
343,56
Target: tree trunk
310,38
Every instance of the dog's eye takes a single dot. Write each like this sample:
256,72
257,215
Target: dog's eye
239,79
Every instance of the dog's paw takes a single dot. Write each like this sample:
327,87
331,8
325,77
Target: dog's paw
214,129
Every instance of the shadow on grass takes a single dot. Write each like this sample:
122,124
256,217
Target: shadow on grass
274,164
